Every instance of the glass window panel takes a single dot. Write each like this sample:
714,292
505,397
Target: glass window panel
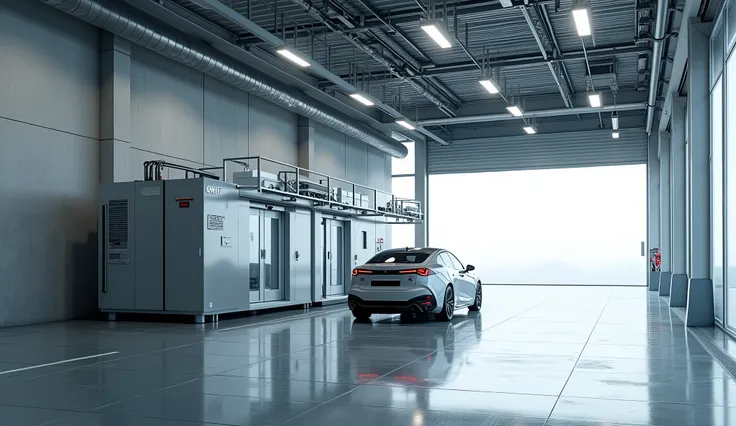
717,188
731,22
404,166
255,252
730,216
403,187
716,53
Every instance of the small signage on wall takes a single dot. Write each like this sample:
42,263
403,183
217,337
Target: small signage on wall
379,240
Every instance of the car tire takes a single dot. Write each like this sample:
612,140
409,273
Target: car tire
475,307
361,315
448,307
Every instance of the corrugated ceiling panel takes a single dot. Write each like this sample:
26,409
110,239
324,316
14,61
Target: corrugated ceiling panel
543,151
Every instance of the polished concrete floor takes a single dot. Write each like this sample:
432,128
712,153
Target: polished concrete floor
533,356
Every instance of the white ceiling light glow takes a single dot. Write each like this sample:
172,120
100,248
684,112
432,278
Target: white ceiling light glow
405,124
434,30
293,57
614,121
362,99
489,85
530,130
581,16
595,100
515,110
615,135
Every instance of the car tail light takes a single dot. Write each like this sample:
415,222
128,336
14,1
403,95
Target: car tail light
424,272
361,272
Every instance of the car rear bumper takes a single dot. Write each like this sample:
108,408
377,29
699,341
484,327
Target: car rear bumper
418,304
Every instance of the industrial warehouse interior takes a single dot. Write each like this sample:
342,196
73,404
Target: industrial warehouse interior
367,212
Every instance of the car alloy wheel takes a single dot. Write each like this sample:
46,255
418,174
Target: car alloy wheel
449,302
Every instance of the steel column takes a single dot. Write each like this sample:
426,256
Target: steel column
678,284
653,214
115,130
664,221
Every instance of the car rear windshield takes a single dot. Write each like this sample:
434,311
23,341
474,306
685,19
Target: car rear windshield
401,257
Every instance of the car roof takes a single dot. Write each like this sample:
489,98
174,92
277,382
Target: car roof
426,250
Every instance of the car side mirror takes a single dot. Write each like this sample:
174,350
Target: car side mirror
469,268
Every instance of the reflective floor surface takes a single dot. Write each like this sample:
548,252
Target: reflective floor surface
533,356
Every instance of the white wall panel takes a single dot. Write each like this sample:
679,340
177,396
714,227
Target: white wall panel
273,131
225,122
329,151
379,169
167,106
356,161
48,72
541,151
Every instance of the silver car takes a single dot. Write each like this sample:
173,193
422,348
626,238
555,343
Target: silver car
414,281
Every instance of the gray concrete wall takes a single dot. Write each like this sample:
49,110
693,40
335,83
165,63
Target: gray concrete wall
49,115
183,116
50,108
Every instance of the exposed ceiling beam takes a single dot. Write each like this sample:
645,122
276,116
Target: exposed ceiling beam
516,61
532,114
404,16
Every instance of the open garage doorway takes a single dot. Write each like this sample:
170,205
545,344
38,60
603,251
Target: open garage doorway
579,226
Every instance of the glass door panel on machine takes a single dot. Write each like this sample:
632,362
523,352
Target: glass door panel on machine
334,266
266,254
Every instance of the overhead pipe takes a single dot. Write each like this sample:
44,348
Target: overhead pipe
144,34
389,64
531,114
660,26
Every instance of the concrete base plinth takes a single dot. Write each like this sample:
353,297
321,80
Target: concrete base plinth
664,283
654,277
699,311
678,291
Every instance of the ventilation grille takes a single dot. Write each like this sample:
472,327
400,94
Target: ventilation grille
118,224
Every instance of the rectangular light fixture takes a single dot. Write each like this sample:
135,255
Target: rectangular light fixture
614,121
405,124
434,30
488,84
362,99
506,3
515,110
293,57
595,100
530,130
615,135
581,16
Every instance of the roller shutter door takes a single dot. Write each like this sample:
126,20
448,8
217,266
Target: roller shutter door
542,151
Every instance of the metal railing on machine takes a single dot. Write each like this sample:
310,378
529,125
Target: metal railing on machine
272,176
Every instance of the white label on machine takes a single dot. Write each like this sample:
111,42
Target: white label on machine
215,222
226,241
150,191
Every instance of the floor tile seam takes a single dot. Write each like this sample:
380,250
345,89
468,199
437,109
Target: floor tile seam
693,404
307,315
726,361
576,361
394,370
466,390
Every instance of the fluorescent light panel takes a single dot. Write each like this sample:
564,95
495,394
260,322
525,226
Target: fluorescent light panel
615,135
362,99
489,86
515,110
614,122
434,31
595,100
530,130
288,54
581,16
405,124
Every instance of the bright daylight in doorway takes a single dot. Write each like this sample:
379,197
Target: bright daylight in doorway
582,226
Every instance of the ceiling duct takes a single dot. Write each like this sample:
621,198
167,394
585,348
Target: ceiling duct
603,73
97,13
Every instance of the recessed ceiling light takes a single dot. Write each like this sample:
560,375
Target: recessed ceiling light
488,84
530,130
434,30
405,124
362,99
515,110
595,100
581,16
293,57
